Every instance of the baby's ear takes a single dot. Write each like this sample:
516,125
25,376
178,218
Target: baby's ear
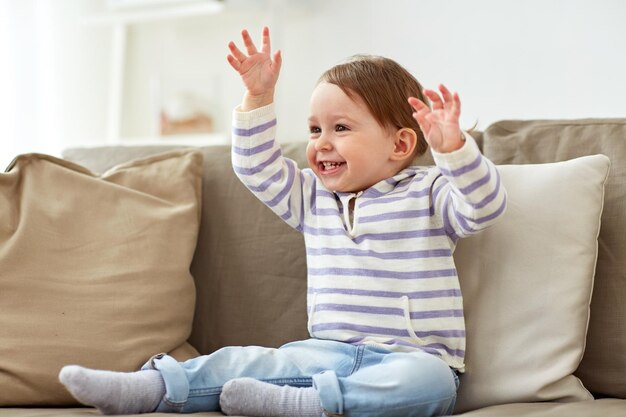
404,144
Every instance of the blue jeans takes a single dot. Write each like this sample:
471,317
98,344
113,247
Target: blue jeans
350,380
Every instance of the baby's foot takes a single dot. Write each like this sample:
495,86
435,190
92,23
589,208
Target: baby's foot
114,392
250,397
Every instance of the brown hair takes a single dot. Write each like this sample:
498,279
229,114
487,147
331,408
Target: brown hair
384,85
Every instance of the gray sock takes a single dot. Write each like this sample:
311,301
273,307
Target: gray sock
114,392
250,397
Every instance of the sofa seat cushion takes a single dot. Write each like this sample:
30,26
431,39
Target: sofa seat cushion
94,268
604,408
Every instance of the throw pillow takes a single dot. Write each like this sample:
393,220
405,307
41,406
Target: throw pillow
603,367
94,270
527,285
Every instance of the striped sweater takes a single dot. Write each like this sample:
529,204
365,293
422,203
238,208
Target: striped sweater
383,274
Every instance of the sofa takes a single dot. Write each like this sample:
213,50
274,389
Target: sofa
544,290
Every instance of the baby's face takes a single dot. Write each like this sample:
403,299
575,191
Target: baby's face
348,150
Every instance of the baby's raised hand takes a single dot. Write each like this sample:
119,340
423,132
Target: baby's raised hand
258,69
441,123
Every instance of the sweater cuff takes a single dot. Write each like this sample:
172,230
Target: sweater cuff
460,158
241,118
250,129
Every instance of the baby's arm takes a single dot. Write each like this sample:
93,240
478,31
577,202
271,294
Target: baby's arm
468,195
257,158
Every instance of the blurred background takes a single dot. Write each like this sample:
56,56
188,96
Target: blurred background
96,72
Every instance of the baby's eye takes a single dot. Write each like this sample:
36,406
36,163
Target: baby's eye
341,128
314,130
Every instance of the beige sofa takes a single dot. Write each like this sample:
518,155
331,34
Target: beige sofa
527,284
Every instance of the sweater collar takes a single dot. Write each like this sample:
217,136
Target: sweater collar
382,187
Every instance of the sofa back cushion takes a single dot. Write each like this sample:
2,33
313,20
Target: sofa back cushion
249,267
94,270
603,366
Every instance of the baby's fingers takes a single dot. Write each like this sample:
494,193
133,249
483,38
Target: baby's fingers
234,63
416,103
267,44
247,41
456,105
421,111
445,93
236,57
278,61
235,52
452,99
435,99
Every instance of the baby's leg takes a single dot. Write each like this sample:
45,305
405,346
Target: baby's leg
414,384
115,392
270,397
194,385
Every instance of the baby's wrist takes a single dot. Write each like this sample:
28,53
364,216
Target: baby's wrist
452,145
254,101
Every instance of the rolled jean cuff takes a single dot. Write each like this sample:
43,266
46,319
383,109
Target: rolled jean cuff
331,398
175,379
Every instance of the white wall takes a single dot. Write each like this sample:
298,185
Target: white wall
52,76
507,59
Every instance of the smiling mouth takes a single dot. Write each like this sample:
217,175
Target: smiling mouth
327,167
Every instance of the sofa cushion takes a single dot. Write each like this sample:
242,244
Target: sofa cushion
249,268
527,284
603,367
95,269
604,408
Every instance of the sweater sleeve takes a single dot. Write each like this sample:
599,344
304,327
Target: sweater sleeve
468,195
259,163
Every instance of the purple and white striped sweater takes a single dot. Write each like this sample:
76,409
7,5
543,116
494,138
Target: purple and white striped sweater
384,275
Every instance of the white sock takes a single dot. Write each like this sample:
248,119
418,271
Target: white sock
250,397
114,392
